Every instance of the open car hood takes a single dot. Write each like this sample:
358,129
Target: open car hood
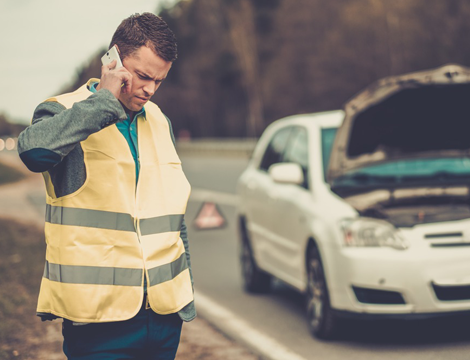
417,115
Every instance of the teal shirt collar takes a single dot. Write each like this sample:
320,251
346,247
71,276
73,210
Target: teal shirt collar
92,88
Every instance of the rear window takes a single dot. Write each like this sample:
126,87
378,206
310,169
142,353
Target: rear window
327,139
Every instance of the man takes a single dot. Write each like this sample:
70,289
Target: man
117,260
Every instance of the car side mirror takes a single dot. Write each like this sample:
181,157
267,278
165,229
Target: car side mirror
287,173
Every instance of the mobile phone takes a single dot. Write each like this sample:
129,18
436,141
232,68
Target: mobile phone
112,54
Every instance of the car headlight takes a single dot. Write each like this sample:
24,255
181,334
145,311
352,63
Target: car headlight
372,232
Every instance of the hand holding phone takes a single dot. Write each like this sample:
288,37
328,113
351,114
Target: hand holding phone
114,76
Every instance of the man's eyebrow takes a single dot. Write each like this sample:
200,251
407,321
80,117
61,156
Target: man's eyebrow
141,73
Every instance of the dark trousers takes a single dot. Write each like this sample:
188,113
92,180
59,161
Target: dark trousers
147,336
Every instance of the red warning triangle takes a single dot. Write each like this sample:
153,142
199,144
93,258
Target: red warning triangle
209,217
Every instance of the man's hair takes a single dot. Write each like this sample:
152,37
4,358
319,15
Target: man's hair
145,30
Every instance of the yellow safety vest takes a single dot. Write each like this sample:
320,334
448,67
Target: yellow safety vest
103,238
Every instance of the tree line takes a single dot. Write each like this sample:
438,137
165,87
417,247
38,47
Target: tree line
245,63
8,128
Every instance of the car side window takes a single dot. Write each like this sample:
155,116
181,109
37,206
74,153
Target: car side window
297,151
275,150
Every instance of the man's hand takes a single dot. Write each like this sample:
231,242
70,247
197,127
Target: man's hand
115,80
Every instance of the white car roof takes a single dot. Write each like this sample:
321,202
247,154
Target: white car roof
313,121
327,119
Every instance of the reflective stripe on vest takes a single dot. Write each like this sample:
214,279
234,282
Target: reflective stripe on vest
99,275
111,220
96,275
89,218
103,238
167,272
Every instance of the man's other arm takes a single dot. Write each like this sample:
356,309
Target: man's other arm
184,231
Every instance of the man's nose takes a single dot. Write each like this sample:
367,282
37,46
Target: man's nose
150,88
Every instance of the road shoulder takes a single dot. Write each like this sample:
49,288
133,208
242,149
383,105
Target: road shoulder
19,202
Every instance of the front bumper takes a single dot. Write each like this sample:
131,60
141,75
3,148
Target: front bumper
404,316
429,280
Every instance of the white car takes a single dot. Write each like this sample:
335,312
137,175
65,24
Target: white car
366,211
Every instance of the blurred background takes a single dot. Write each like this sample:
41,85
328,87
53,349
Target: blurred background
242,64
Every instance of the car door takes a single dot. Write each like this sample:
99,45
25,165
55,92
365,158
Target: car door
259,190
288,215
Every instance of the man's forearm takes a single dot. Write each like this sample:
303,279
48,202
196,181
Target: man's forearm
55,130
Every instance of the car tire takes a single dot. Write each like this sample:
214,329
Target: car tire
254,279
322,322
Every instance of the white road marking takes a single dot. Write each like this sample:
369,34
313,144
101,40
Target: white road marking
217,197
239,329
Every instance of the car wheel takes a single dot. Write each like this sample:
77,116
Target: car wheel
255,280
323,323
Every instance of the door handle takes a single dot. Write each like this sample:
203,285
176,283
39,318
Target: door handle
251,185
272,195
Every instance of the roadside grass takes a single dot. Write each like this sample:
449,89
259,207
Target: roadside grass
9,174
22,251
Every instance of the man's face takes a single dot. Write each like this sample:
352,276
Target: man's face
148,71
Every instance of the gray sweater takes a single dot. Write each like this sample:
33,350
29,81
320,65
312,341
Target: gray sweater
52,143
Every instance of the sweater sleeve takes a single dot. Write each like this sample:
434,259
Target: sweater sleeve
184,230
55,130
184,237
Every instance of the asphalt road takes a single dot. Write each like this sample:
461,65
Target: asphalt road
280,314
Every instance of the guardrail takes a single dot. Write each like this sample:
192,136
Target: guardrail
220,147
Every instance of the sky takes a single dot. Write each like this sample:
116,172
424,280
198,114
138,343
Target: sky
44,42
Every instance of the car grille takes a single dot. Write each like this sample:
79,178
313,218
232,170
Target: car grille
443,235
374,296
452,293
451,239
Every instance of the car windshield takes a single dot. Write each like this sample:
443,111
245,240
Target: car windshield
327,138
435,171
